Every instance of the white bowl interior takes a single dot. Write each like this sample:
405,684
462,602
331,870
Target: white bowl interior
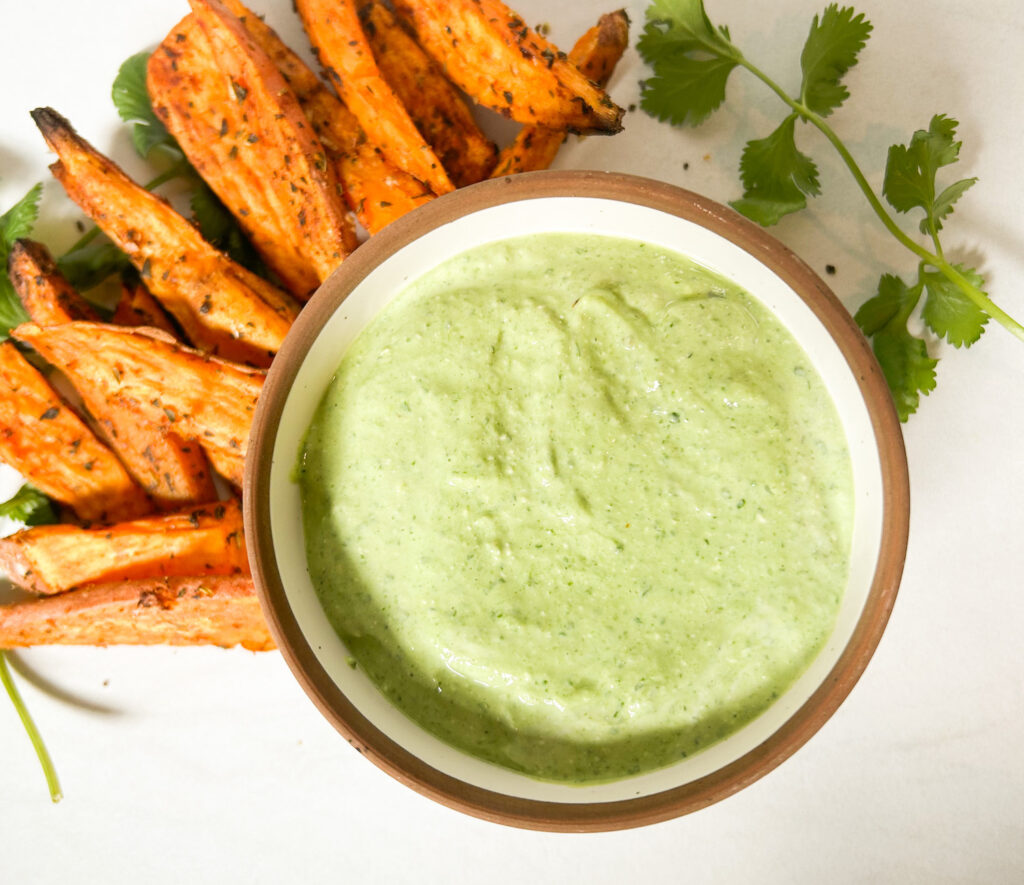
582,215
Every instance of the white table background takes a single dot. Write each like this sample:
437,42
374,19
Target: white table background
205,765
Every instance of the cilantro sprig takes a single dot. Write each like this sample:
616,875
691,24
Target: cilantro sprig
692,59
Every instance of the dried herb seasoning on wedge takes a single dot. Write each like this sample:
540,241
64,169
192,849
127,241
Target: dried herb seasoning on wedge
495,58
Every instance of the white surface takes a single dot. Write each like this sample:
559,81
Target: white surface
591,216
209,766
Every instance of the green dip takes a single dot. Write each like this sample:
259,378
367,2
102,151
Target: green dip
577,505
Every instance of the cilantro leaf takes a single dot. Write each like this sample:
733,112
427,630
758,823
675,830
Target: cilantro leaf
686,90
830,51
15,223
948,312
691,60
894,299
18,221
131,98
908,369
776,176
29,506
677,26
910,172
943,205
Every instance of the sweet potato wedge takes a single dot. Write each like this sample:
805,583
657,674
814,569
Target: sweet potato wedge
47,295
172,471
334,29
51,559
599,50
376,190
596,54
178,389
48,444
232,112
209,610
435,105
137,307
489,52
220,306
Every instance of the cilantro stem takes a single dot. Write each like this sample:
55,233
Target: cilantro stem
85,239
933,232
937,261
180,168
33,733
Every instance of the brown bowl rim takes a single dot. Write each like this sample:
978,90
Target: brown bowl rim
596,816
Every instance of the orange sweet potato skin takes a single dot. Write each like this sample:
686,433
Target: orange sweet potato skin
220,610
596,54
334,29
240,125
45,441
220,306
491,54
173,387
200,541
435,105
375,189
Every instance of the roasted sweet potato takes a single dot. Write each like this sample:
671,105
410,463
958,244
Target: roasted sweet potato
596,53
174,387
137,307
47,295
334,29
487,49
48,444
172,471
435,105
240,125
207,540
228,463
376,190
209,610
51,559
220,306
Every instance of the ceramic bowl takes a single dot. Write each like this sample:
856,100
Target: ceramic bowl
622,206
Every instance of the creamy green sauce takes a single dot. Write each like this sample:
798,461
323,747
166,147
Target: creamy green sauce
577,505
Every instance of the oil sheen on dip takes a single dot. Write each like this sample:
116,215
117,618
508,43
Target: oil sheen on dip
577,505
